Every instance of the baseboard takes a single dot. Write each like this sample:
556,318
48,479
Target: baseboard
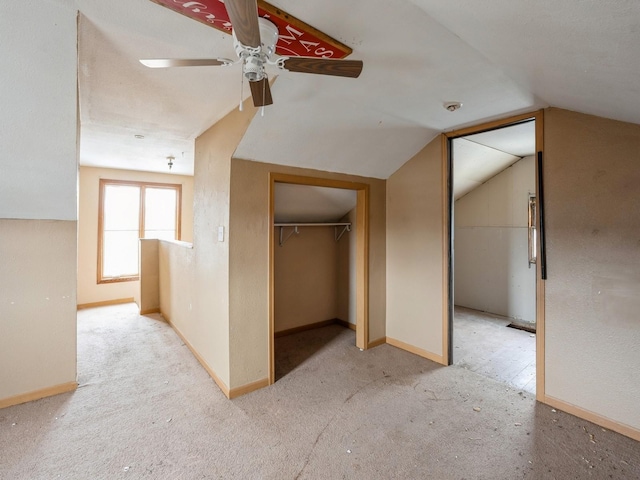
149,311
605,422
378,342
38,394
417,351
313,326
229,393
117,301
249,387
304,328
202,361
345,324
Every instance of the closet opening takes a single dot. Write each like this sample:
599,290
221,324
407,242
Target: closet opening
495,288
318,285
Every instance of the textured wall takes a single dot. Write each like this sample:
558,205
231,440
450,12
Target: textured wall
148,295
38,190
37,305
492,271
592,177
194,282
347,250
89,291
305,278
38,117
415,251
249,263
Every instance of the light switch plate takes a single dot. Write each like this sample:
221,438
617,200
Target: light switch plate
221,233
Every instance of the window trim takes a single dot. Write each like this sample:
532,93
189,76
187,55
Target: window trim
104,182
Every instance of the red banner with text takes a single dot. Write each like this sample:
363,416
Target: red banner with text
296,38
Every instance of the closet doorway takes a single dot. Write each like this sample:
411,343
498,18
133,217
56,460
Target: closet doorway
330,217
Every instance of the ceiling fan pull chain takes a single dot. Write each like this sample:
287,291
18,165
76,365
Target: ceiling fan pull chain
241,86
264,94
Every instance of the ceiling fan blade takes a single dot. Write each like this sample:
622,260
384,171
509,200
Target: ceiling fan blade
261,93
322,66
172,62
244,20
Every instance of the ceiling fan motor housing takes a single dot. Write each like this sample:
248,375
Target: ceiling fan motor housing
255,57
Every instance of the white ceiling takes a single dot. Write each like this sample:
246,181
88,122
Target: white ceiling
497,57
479,157
303,203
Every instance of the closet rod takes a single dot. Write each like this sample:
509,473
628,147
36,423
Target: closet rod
338,236
343,224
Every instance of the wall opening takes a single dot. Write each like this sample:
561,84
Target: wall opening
493,275
318,260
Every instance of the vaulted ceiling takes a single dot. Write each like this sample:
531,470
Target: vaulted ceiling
497,57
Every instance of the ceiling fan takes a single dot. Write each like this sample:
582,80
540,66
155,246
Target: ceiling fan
254,40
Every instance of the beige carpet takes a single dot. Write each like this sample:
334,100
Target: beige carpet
146,409
484,344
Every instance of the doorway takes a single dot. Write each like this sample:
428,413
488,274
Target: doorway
495,323
282,231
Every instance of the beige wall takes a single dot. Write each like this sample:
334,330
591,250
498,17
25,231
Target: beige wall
415,252
38,194
217,293
148,295
194,282
89,291
492,270
347,250
249,264
37,307
592,179
305,278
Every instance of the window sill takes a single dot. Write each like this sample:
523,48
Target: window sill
104,281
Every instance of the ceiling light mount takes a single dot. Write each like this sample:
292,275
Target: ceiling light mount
452,106
170,160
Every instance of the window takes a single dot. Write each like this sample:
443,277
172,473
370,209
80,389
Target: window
130,211
532,230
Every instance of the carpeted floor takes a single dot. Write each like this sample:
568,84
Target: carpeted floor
146,409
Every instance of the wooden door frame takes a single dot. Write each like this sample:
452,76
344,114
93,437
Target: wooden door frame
362,254
447,138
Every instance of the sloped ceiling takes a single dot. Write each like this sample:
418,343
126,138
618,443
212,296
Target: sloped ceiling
479,157
497,57
304,203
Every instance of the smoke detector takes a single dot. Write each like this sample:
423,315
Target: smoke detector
452,106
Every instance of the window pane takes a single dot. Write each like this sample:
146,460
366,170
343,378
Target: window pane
121,224
120,253
160,213
121,207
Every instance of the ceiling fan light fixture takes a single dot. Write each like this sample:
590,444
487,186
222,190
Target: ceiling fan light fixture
254,58
268,36
254,69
